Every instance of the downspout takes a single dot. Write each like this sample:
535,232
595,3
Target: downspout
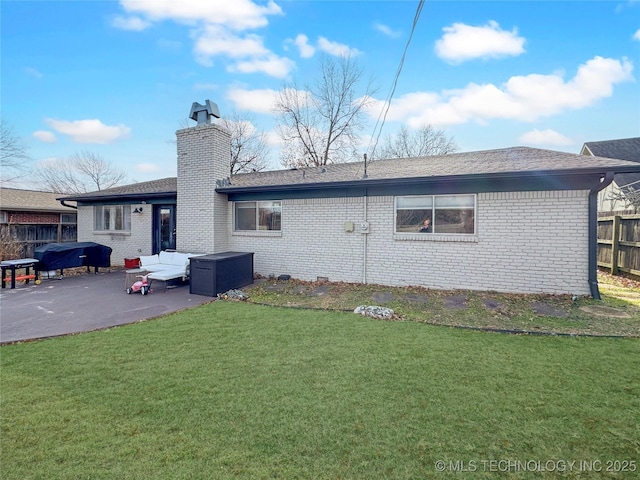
593,233
364,243
65,205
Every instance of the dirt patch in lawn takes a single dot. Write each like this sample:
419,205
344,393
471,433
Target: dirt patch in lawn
614,315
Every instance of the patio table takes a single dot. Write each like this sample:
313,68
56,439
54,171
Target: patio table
13,265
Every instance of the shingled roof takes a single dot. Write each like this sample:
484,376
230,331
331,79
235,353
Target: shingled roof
14,199
153,188
513,161
624,149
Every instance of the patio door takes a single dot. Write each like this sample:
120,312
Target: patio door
164,228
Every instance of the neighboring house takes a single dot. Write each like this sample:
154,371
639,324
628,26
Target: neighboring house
624,192
32,218
512,220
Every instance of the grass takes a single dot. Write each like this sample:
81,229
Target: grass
234,390
483,310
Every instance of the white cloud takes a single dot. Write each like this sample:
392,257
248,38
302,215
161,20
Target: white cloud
249,52
146,168
135,24
273,139
219,29
337,49
384,29
465,42
545,137
332,48
216,40
45,136
261,100
272,65
522,98
636,36
89,131
236,14
258,101
306,50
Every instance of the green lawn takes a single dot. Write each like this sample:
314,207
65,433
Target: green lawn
234,390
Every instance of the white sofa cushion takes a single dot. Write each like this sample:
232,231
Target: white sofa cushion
166,257
180,259
147,260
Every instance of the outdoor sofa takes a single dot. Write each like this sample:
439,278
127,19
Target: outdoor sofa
167,265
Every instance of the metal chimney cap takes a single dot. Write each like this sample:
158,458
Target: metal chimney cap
203,113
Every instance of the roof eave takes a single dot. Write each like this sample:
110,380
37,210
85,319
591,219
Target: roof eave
10,208
482,177
116,196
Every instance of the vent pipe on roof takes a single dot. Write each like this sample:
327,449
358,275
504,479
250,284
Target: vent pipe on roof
365,166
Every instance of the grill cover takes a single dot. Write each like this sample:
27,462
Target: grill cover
54,256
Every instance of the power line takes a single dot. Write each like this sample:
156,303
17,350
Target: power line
383,113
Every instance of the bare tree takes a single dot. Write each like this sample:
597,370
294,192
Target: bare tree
320,124
82,172
13,154
249,151
417,143
627,195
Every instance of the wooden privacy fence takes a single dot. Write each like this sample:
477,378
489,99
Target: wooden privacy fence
20,240
619,243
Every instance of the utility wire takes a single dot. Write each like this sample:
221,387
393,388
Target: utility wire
383,113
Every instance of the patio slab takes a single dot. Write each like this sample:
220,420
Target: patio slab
83,303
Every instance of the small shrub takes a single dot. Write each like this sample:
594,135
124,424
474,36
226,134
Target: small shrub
10,248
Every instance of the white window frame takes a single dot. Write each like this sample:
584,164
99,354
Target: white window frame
98,211
257,229
4,217
435,233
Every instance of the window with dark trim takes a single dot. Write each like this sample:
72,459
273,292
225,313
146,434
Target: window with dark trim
436,214
69,218
257,216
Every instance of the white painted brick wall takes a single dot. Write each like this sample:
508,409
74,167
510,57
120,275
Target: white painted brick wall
204,156
526,242
124,245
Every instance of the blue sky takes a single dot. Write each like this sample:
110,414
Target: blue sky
118,78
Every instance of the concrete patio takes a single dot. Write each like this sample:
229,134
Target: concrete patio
82,303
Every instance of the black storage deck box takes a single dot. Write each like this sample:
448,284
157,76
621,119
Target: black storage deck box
220,272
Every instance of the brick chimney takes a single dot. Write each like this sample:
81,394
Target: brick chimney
204,157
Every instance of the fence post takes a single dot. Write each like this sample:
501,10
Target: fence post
615,244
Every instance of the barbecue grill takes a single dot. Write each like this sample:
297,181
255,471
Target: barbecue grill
58,256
